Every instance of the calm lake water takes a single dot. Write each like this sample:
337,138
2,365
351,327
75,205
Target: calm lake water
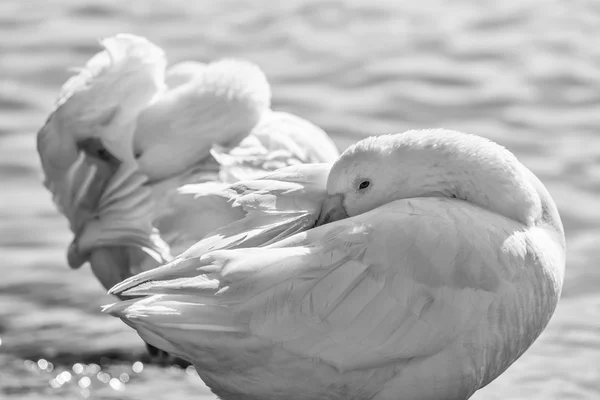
525,73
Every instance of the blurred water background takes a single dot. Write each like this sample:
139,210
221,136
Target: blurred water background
525,73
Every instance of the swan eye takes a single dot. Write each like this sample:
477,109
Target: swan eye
363,185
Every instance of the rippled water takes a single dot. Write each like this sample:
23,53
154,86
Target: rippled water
525,73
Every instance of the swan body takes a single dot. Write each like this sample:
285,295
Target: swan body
438,259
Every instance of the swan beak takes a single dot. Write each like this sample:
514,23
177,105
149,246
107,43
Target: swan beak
332,210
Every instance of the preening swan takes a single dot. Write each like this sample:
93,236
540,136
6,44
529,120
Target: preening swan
438,260
127,134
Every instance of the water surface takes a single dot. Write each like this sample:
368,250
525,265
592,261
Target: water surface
525,73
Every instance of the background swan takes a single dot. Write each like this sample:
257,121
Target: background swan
127,134
121,142
440,262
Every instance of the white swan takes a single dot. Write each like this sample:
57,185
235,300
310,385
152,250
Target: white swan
440,261
127,134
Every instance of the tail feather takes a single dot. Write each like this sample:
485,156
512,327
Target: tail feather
167,321
190,261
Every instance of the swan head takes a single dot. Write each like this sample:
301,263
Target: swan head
424,163
214,104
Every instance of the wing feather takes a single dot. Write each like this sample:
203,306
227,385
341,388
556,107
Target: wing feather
399,282
281,204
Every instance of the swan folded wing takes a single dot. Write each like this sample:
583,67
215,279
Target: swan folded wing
188,219
278,205
266,210
279,140
249,160
304,140
398,282
221,104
